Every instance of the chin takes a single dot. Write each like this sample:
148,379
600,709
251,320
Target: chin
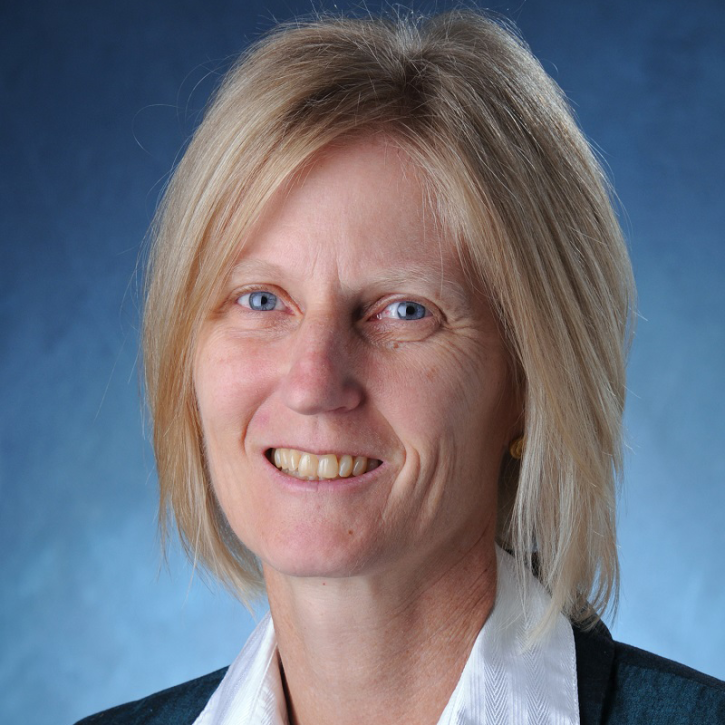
338,554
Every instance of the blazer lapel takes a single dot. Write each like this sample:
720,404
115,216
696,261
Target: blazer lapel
594,660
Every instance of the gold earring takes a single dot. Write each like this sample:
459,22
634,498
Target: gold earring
516,449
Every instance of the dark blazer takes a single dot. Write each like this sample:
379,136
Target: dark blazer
618,685
623,685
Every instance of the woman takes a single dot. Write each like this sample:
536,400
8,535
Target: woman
385,338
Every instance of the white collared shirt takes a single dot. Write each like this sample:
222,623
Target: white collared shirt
502,683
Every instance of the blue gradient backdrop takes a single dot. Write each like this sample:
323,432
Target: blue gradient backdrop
97,99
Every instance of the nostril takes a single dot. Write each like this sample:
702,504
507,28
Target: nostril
320,375
320,390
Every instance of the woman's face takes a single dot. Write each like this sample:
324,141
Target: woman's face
348,337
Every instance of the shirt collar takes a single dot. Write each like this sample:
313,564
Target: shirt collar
504,680
251,690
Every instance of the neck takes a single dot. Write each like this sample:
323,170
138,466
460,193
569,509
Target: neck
382,648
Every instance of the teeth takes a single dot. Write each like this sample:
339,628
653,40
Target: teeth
293,459
314,468
327,466
345,466
308,465
359,466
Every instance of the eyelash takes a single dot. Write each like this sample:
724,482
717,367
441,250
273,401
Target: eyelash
249,294
408,304
239,298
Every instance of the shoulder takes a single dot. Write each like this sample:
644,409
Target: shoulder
178,705
651,689
619,684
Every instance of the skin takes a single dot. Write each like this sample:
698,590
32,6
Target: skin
379,584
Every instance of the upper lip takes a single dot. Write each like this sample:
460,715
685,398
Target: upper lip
322,451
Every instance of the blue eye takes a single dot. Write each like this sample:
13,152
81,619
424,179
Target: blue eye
260,301
404,311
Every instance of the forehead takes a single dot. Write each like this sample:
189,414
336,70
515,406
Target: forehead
353,209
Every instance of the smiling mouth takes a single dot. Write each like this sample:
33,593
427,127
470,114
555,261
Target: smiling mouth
311,467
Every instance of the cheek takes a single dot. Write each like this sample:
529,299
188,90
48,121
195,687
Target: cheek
231,381
453,397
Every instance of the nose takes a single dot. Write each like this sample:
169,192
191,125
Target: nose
320,377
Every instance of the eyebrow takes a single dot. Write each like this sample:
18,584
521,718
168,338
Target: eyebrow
448,289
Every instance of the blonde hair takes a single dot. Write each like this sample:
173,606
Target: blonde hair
519,190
